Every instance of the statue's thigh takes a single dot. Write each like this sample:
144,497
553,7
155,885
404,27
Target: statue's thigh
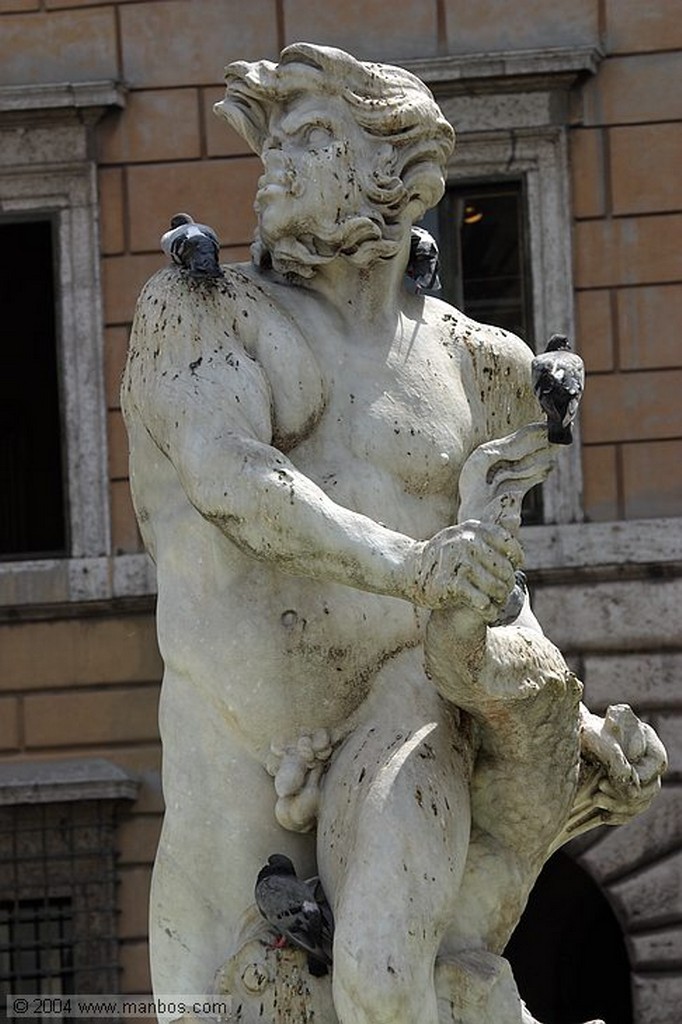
394,831
219,829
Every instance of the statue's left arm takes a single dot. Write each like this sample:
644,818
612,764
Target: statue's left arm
515,454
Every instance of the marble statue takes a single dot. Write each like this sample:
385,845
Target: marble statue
327,468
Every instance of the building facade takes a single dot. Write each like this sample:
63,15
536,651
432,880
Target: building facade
569,113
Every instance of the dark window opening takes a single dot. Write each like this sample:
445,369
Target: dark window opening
484,258
32,496
568,953
483,241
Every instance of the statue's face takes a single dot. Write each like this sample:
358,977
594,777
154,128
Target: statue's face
309,185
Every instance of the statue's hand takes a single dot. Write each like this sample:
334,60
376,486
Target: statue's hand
471,564
629,758
497,475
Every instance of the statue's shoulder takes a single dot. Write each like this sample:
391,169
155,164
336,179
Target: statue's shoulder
494,364
182,323
171,289
484,343
187,313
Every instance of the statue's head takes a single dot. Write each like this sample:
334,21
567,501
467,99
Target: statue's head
353,152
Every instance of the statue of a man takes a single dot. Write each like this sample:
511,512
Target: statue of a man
297,432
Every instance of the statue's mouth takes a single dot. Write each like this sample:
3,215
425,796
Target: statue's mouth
278,184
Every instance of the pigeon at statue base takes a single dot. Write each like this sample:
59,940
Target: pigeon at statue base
558,377
296,910
194,247
424,261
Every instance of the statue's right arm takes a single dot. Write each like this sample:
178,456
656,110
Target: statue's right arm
212,418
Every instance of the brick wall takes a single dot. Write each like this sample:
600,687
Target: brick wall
628,264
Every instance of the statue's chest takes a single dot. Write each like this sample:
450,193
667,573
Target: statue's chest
406,415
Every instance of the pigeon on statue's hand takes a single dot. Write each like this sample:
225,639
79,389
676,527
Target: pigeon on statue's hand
517,610
294,909
194,247
558,377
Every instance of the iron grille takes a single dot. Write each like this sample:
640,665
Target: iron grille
58,899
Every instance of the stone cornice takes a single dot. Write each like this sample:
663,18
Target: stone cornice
86,101
507,71
42,782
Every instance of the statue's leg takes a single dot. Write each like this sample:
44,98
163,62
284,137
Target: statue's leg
218,831
392,840
495,888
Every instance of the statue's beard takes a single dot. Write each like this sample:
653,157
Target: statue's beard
299,253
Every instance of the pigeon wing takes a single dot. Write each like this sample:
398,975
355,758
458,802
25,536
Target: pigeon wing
206,230
288,905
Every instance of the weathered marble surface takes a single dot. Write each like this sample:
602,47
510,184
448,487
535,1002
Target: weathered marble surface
328,471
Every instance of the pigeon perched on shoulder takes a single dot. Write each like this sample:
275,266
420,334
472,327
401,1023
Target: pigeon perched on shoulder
517,610
296,910
558,377
423,263
194,247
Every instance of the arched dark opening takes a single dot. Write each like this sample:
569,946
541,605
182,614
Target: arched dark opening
568,954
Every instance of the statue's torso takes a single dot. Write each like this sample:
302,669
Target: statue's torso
384,427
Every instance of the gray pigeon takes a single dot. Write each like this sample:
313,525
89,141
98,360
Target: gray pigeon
297,910
558,377
517,610
423,263
194,247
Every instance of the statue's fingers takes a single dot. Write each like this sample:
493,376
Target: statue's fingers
525,441
526,472
496,588
649,770
499,541
467,592
655,761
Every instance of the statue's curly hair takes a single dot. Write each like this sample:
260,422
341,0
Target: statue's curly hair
389,104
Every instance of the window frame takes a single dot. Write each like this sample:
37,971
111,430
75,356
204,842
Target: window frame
47,171
40,864
539,160
511,113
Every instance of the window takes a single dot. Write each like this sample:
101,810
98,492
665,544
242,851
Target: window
482,237
54,509
57,899
483,251
510,112
36,946
33,508
58,926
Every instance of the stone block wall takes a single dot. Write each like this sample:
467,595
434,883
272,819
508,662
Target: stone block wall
628,269
84,687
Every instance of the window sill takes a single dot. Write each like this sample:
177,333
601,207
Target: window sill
631,549
41,782
59,581
623,549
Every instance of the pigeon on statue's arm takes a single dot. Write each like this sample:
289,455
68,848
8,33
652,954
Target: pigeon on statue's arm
194,247
558,381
